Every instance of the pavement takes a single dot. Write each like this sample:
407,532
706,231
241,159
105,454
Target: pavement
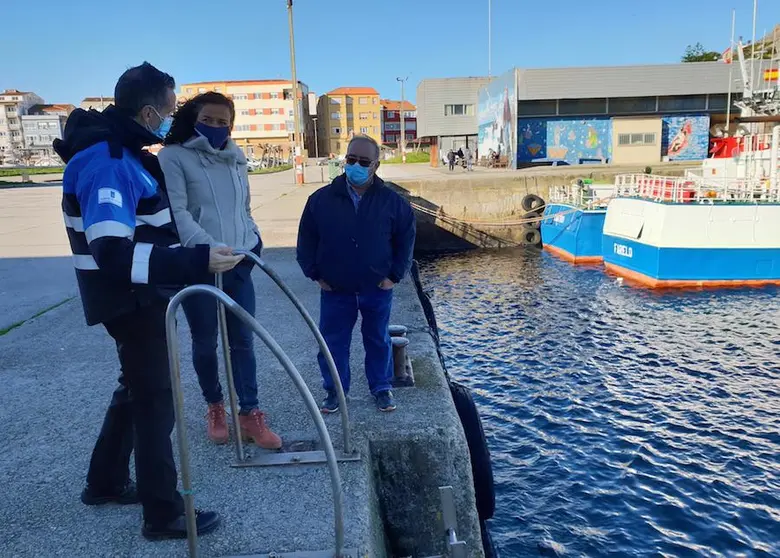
58,375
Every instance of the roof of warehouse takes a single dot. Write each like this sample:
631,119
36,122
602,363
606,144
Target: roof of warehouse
697,78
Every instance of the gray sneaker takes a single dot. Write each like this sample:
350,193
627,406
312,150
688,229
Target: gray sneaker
385,401
330,404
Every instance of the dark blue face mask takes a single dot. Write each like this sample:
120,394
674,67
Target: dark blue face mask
217,136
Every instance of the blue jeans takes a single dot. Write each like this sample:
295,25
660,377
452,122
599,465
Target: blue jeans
338,314
201,312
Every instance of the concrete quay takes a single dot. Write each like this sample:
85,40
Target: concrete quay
57,377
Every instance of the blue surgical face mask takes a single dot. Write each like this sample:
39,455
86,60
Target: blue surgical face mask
217,136
357,174
164,127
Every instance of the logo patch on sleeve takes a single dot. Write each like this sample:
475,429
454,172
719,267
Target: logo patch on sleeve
109,195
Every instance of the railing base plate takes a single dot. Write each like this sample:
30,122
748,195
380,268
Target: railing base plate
277,459
347,553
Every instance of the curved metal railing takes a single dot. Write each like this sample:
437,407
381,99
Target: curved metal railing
334,374
181,431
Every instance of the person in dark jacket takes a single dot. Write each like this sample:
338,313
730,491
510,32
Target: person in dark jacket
356,239
451,159
128,261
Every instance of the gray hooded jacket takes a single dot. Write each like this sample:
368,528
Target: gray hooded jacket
209,193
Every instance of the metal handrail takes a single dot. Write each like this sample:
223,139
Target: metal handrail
181,431
234,411
334,373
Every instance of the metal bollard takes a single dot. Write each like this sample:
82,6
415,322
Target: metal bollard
402,367
397,330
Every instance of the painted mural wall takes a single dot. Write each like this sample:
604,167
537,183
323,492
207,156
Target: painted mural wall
570,139
685,137
496,115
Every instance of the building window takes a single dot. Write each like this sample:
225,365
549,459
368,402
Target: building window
15,134
336,131
458,110
218,89
363,100
201,89
364,130
274,95
636,139
242,128
537,108
375,100
391,114
410,114
375,129
290,113
364,116
682,103
582,106
335,101
244,112
335,115
629,105
241,97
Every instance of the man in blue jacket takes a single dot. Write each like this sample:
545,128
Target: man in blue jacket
128,262
356,239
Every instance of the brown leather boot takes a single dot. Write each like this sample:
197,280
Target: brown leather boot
254,429
217,428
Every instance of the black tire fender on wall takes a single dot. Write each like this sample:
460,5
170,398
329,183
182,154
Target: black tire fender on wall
533,220
532,202
481,467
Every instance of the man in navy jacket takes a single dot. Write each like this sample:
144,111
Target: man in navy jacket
356,239
128,262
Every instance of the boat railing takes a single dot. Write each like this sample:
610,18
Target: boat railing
696,189
578,195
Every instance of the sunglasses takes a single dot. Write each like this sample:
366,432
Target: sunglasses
364,162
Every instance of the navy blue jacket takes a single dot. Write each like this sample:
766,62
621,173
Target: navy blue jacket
122,234
355,250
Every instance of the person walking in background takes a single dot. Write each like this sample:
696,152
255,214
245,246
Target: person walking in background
208,184
128,263
451,159
469,158
356,239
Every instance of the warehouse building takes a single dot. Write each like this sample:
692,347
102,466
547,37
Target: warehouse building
617,114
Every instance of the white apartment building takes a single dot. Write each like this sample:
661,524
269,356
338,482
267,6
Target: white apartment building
13,105
264,113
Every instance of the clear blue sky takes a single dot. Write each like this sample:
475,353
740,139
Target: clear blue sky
67,50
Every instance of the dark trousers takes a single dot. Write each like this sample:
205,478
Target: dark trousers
338,314
140,417
201,312
452,164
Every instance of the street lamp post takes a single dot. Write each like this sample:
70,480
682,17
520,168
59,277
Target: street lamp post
402,143
296,109
316,143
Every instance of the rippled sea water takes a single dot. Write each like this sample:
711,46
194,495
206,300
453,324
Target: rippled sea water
621,421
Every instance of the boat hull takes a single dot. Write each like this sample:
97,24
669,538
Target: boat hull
573,233
663,245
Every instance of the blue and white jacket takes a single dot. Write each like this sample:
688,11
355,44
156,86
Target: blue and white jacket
123,237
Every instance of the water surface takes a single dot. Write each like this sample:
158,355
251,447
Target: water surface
622,421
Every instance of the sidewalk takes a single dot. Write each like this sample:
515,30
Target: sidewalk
58,375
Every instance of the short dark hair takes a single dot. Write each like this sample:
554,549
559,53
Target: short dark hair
186,116
141,86
368,139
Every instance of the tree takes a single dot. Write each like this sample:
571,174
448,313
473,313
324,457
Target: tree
696,53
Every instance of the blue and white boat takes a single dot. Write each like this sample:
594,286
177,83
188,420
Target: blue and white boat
573,221
707,229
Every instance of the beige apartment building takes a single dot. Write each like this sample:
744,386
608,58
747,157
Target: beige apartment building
96,103
264,114
344,112
13,105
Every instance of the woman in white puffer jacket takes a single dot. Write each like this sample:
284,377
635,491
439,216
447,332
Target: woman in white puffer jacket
208,186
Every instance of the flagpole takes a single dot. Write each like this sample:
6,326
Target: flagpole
731,69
